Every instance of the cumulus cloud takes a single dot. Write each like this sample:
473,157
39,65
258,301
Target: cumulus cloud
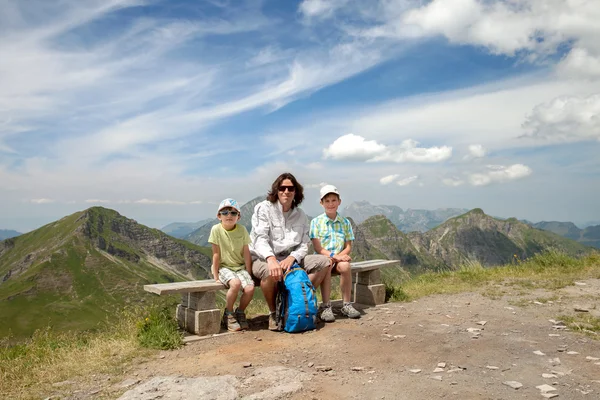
407,181
95,201
477,151
454,182
386,180
499,174
357,148
565,119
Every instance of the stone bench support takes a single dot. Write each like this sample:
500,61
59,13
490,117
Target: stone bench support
198,312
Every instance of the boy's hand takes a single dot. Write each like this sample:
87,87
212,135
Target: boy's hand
217,280
341,258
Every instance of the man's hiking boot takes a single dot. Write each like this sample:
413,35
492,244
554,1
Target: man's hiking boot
241,319
273,322
327,314
231,323
350,311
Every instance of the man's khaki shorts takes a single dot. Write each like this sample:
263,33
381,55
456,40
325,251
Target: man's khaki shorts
311,264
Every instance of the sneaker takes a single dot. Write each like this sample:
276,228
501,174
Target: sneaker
241,319
350,311
273,322
327,314
232,324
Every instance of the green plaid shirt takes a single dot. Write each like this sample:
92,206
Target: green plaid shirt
332,233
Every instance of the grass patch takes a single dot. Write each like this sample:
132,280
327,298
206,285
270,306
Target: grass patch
28,369
159,330
549,270
583,323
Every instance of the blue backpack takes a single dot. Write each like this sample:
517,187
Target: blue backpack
296,303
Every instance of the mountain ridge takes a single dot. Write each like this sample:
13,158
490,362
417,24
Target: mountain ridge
85,266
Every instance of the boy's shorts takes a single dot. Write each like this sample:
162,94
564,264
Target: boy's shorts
225,275
311,263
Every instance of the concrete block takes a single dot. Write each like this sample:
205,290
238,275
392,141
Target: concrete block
206,322
200,300
201,323
372,277
369,294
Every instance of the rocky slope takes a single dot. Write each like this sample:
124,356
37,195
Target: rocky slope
84,266
182,229
589,236
405,220
477,237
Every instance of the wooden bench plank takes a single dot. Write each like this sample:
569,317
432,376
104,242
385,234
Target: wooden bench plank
206,285
363,266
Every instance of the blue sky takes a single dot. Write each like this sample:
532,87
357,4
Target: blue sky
160,109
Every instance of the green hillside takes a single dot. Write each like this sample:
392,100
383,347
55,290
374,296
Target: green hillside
475,236
79,270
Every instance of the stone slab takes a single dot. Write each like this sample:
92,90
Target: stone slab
199,300
373,264
369,294
206,285
372,277
201,323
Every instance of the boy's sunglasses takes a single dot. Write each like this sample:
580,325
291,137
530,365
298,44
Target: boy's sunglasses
290,189
227,212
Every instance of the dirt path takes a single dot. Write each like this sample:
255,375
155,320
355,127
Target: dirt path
393,351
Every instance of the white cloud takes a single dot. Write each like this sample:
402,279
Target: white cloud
160,202
500,174
42,201
357,148
386,180
94,201
476,151
454,182
319,8
407,181
565,119
353,147
580,63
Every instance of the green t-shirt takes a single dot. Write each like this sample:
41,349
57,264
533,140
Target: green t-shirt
231,243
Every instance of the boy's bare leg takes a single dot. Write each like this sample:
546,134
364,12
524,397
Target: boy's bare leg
246,297
231,296
326,287
316,278
343,269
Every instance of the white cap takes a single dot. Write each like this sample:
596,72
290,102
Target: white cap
229,203
325,190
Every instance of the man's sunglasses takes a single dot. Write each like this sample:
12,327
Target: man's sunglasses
227,212
290,189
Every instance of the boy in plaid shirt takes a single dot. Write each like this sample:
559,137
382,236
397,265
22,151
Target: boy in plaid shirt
332,235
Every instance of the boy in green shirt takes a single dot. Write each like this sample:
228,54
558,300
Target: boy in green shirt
231,263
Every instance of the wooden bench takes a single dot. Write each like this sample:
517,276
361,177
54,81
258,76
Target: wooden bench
198,312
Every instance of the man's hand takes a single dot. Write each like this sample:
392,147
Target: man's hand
274,268
287,263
